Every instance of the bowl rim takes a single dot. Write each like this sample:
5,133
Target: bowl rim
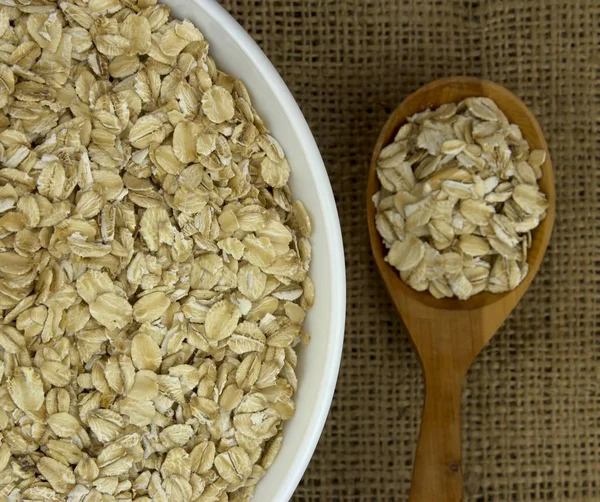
333,236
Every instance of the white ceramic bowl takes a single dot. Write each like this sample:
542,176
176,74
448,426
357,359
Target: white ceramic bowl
236,53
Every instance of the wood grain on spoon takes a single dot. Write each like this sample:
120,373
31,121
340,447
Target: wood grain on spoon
449,333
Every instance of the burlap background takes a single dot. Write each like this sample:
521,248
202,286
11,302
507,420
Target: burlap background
531,405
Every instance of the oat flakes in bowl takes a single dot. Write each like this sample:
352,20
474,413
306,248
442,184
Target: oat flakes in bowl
153,263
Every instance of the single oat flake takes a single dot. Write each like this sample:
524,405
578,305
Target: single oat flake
459,199
153,263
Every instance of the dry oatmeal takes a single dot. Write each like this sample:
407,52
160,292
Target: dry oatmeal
153,265
459,199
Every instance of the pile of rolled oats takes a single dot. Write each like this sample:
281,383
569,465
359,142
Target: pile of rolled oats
459,198
153,267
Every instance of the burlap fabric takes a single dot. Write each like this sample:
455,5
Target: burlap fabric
531,406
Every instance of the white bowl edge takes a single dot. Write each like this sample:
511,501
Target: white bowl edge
327,269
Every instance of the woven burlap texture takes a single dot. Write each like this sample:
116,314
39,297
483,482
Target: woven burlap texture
531,415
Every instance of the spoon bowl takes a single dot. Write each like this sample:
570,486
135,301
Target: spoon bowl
448,333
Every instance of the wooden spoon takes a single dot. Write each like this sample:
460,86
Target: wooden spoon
449,333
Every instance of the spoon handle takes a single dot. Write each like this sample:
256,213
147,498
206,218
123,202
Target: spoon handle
437,474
